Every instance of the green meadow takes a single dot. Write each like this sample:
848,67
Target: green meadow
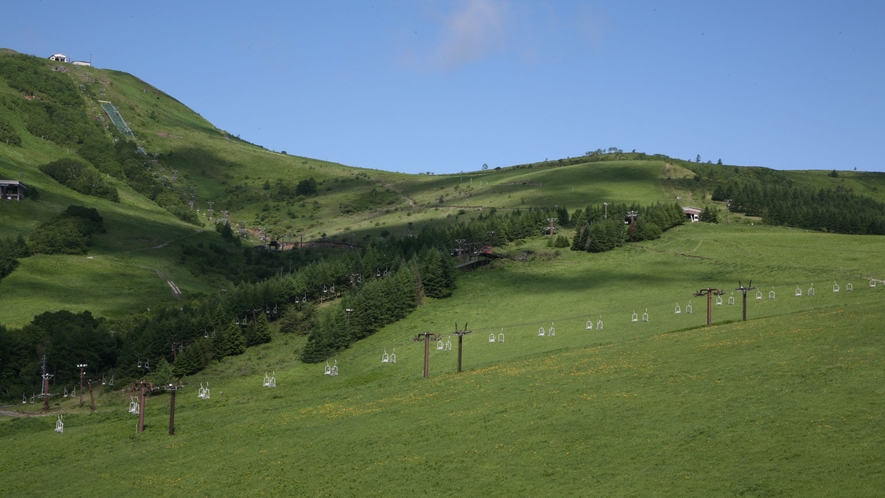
788,403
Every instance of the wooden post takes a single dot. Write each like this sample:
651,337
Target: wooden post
709,308
172,412
426,354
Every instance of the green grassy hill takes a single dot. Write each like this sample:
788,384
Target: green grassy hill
787,403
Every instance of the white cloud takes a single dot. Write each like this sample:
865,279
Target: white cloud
472,32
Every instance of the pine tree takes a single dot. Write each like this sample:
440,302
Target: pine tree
258,331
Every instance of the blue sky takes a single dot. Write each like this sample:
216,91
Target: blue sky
448,86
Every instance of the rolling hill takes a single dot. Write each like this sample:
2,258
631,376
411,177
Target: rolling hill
788,402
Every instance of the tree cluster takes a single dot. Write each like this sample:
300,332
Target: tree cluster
830,210
80,177
598,232
11,250
68,233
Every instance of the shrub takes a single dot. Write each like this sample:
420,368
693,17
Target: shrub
78,176
68,233
8,134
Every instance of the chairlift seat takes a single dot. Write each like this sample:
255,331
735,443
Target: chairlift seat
731,299
501,337
589,325
635,317
849,287
645,315
541,332
678,309
770,294
599,324
492,337
835,287
798,291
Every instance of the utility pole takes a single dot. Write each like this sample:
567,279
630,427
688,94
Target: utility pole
427,337
91,397
728,221
709,292
45,376
461,334
353,278
82,367
143,384
744,290
632,215
552,226
605,216
172,388
460,243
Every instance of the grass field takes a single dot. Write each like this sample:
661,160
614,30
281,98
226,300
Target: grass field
789,403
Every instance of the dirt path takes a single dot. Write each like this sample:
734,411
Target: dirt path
400,192
176,292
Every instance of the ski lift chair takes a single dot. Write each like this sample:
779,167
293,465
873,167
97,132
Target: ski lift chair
24,399
731,299
541,332
798,291
770,294
849,287
551,331
678,309
811,290
440,346
501,337
718,300
393,356
599,323
688,308
635,317
589,325
835,287
872,282
334,370
492,337
385,358
59,425
645,315
328,370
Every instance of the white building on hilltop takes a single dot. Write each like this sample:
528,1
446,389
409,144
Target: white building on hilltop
58,57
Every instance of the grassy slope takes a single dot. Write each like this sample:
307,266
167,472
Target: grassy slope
789,403
218,167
